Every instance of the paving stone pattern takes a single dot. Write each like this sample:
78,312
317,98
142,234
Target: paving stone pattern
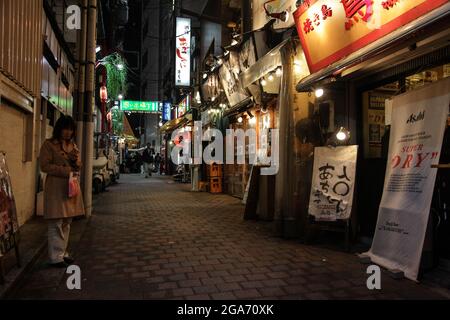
154,239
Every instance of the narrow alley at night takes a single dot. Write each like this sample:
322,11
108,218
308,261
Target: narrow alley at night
224,152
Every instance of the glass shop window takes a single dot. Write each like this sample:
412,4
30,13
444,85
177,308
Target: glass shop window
376,111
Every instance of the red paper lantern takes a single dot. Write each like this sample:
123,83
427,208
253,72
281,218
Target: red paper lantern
103,93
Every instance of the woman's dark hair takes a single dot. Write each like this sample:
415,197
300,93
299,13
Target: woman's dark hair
64,122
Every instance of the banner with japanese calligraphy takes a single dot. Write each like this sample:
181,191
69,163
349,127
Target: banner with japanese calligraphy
229,77
333,183
330,30
417,131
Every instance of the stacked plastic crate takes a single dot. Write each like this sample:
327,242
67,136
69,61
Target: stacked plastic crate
215,178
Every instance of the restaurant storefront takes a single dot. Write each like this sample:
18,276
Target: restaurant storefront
366,59
251,93
181,116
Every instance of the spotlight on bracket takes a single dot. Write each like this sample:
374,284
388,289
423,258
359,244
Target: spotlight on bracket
343,135
319,93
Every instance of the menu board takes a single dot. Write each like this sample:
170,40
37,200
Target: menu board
376,122
8,215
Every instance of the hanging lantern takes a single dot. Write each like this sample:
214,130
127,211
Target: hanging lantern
103,94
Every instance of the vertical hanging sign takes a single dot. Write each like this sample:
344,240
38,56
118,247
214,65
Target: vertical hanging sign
417,131
183,53
166,113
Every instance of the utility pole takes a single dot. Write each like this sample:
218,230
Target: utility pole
88,145
81,74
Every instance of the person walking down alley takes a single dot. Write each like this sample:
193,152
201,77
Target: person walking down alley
148,159
158,160
60,160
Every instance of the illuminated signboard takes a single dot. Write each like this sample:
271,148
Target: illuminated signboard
140,106
183,53
167,111
184,107
330,30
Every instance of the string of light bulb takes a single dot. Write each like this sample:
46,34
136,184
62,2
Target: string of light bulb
278,72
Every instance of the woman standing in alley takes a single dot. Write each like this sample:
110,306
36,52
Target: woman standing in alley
60,160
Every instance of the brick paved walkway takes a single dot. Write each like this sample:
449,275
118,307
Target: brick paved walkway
152,239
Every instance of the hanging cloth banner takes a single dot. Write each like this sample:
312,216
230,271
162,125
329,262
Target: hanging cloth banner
418,124
229,77
333,183
9,224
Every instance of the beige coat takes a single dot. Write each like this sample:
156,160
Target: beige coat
54,161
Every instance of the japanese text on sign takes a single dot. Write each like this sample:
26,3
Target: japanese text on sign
183,52
333,183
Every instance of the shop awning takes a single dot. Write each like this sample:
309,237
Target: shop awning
127,130
174,124
269,62
375,48
240,107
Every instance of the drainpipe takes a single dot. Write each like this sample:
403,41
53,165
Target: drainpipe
88,116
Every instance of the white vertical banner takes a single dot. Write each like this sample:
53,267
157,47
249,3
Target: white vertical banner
417,130
183,52
333,183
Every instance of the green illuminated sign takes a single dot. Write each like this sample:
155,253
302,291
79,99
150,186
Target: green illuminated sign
140,106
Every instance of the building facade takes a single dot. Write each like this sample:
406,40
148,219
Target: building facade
37,84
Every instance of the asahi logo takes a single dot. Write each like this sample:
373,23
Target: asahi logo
416,117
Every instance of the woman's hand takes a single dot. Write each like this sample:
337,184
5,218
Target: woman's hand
76,174
74,155
74,158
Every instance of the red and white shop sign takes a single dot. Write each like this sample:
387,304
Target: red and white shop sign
330,30
183,52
